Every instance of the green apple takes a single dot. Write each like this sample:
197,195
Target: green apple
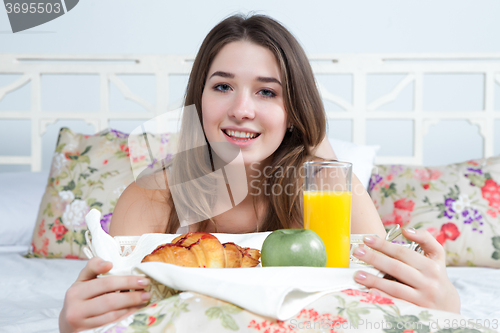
293,247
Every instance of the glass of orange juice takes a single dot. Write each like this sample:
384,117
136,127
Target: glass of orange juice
327,207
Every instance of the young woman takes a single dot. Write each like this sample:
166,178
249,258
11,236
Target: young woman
253,87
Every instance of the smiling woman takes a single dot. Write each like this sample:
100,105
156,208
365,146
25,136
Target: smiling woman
253,72
242,102
253,89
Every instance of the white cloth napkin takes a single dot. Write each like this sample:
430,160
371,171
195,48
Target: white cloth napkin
277,292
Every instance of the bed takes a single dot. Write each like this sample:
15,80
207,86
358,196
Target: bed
34,287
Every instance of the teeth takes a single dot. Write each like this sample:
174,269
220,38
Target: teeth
241,135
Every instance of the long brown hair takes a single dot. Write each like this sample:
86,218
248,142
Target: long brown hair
302,103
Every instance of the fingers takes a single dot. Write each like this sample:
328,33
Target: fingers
390,288
406,255
108,318
386,264
377,292
110,284
426,281
114,283
94,267
427,242
114,302
395,251
92,302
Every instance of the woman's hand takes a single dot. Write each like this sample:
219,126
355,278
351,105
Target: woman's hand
92,302
425,282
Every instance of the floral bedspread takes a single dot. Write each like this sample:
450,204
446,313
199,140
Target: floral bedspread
346,311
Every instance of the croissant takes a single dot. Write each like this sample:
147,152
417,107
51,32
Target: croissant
201,249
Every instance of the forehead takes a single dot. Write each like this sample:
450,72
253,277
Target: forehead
244,58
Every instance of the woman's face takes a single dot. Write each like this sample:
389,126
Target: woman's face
242,102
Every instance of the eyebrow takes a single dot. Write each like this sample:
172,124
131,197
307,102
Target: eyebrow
259,78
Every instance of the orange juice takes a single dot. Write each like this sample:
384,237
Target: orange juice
328,213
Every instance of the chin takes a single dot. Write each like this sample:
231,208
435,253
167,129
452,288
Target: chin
249,159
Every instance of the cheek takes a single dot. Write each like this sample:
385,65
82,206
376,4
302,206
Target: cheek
279,119
278,126
209,126
208,116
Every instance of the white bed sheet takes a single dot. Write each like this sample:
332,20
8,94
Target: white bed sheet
34,289
479,290
20,197
33,292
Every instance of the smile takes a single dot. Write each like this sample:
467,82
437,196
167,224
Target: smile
241,136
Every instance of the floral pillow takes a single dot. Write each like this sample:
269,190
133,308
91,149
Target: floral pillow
88,171
458,203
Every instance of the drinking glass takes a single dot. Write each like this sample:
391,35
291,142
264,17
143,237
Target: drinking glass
327,207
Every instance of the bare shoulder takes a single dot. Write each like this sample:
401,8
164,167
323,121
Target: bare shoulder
141,209
324,151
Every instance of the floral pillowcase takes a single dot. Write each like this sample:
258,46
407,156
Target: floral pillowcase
88,171
343,311
459,204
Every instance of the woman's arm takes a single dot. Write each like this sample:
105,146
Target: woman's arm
364,216
140,211
92,302
425,282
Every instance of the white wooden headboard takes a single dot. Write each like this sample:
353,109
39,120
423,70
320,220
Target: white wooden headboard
413,67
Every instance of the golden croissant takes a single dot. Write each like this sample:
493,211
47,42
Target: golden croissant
201,249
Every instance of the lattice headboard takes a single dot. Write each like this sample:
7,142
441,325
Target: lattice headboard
410,68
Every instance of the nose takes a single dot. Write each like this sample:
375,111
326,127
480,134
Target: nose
243,107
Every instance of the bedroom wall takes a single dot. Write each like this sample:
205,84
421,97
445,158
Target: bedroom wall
361,26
